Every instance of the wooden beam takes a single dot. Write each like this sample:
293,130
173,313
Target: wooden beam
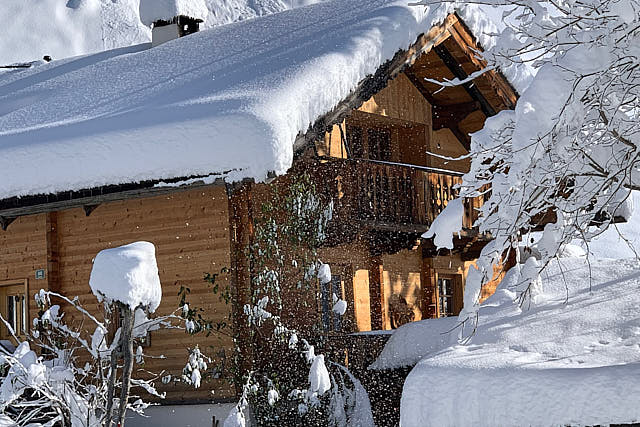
464,139
89,208
442,110
376,293
454,66
448,116
241,232
53,268
29,205
418,83
466,41
5,221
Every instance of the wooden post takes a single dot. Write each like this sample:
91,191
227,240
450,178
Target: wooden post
376,293
53,281
429,289
241,229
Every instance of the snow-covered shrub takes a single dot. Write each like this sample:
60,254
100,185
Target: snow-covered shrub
82,376
569,154
289,384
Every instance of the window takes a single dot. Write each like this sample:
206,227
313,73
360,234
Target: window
331,321
379,141
14,309
449,295
354,136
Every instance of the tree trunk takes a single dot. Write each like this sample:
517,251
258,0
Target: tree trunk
112,334
108,417
127,355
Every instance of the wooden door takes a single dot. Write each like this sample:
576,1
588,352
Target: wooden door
14,309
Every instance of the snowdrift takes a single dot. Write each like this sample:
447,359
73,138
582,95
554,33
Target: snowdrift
572,359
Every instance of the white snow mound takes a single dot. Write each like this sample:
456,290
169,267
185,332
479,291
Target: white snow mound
128,274
571,359
155,10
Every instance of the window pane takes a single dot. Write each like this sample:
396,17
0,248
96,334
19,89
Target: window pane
326,300
354,135
23,327
11,312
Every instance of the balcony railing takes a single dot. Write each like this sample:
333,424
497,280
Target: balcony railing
390,195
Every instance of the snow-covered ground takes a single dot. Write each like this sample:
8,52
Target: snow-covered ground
182,415
571,359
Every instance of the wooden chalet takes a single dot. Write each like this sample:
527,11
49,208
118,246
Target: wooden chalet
369,154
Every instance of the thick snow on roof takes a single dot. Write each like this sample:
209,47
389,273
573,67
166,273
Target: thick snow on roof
128,274
229,98
571,359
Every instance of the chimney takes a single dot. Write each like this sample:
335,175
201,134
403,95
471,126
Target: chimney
179,26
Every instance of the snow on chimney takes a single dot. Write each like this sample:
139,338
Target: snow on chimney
179,26
171,19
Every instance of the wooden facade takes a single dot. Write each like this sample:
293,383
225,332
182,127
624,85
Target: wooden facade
371,156
190,230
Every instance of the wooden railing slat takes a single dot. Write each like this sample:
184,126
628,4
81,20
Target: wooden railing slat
386,193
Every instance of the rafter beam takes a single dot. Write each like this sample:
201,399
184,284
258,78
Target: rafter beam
446,116
89,208
457,70
5,222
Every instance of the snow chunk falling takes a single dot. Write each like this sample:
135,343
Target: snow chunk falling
128,274
319,376
339,305
324,274
446,224
155,10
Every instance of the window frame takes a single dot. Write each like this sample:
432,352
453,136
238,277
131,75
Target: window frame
25,310
454,297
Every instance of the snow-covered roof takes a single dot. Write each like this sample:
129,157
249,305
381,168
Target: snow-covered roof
230,98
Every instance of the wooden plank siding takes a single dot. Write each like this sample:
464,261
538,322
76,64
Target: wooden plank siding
191,233
402,285
190,230
399,107
23,250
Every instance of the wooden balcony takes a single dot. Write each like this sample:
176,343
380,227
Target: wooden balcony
389,196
